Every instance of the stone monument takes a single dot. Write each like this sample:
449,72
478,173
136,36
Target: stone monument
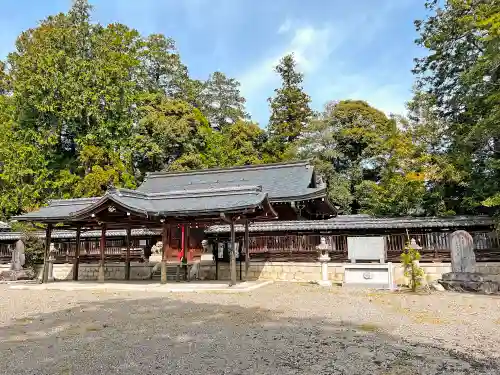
463,266
324,258
368,267
463,258
17,272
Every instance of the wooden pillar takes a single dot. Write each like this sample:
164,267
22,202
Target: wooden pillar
187,233
102,248
232,256
246,242
76,261
127,254
165,251
48,238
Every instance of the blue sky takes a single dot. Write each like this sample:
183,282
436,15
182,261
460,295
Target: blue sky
358,49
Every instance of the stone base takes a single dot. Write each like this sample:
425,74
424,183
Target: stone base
324,283
469,282
17,275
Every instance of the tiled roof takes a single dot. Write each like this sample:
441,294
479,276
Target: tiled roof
68,234
194,201
281,181
353,222
4,226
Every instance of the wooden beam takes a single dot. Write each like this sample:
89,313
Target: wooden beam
232,257
76,261
127,254
246,242
102,248
45,272
165,251
187,233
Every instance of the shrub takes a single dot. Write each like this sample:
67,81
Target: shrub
409,259
34,250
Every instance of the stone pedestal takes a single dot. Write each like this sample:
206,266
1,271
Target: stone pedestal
469,282
369,275
100,276
163,269
50,263
324,259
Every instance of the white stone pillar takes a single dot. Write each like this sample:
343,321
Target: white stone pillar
50,264
324,259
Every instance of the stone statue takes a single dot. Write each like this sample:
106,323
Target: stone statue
18,258
205,246
207,254
156,252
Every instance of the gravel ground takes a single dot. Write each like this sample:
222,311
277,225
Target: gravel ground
279,329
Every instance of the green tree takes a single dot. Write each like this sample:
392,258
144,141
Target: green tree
221,101
290,111
460,72
237,144
350,142
162,69
166,130
409,261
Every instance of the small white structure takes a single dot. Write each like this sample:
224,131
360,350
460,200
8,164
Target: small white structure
364,252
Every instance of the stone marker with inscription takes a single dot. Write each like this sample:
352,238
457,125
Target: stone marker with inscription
368,267
463,277
17,272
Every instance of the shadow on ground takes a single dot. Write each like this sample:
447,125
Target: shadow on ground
161,335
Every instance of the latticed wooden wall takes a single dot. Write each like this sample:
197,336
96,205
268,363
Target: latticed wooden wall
434,246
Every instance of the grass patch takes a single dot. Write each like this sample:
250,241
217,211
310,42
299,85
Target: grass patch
369,327
24,320
92,328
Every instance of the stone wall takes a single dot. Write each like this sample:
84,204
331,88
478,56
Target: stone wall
5,267
282,271
306,272
112,271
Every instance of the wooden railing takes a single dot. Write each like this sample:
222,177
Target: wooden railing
5,253
434,246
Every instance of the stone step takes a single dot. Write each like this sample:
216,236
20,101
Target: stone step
171,273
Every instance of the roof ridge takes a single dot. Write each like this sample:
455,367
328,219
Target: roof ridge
226,169
189,192
65,202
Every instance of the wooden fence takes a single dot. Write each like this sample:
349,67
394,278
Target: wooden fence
434,246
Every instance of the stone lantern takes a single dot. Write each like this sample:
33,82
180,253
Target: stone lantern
324,258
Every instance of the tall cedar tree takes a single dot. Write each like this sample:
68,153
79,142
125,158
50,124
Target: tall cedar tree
290,111
461,74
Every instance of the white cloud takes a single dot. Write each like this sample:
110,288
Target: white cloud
325,53
285,26
388,97
311,47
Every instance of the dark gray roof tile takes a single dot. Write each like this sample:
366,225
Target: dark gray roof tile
362,222
68,234
279,181
171,203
